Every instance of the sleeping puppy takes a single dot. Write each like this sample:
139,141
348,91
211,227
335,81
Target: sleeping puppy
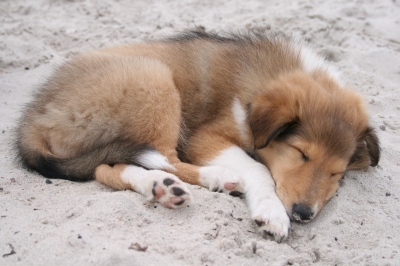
253,114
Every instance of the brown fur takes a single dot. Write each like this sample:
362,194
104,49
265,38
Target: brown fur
175,96
327,135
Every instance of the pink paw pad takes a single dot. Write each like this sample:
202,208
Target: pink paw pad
230,186
157,191
170,194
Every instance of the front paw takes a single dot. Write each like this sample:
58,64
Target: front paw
220,179
272,219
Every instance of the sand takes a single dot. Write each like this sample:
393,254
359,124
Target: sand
66,223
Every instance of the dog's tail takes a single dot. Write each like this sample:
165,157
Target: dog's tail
81,167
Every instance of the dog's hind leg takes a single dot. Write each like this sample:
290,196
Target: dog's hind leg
154,185
215,178
149,113
165,158
155,119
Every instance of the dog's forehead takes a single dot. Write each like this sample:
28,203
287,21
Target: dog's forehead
329,133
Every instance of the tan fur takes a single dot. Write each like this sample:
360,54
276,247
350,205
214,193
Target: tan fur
176,97
332,119
111,176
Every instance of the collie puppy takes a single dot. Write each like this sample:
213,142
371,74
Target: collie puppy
250,113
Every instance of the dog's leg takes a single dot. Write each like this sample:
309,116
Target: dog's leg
149,112
266,208
155,185
215,178
158,124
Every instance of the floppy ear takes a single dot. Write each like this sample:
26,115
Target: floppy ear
270,117
367,152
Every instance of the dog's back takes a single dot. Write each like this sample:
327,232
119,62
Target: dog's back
76,119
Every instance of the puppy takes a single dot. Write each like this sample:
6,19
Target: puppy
253,114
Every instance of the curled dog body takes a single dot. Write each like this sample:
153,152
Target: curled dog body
151,117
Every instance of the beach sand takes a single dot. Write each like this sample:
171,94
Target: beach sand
66,223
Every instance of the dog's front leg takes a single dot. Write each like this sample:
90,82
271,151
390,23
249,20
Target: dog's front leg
266,208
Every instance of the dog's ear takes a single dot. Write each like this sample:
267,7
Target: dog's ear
269,118
367,151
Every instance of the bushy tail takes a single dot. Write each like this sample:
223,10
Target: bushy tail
82,167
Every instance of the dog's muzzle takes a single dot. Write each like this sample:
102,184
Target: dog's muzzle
302,213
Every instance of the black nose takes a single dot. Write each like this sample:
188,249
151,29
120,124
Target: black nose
302,213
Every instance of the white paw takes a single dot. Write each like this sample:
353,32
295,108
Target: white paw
220,179
271,218
168,189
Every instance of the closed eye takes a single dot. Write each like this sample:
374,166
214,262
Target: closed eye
341,174
303,155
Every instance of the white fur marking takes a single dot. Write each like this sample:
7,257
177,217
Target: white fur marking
311,61
215,177
240,117
143,181
259,188
250,171
138,178
154,160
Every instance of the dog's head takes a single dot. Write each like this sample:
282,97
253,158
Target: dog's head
309,131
